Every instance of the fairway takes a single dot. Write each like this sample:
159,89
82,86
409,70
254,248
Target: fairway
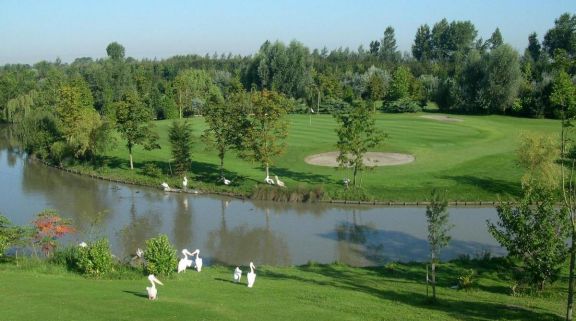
472,159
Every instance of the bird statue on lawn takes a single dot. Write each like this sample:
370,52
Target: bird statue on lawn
185,261
198,260
237,275
279,182
165,186
152,291
251,276
185,183
226,181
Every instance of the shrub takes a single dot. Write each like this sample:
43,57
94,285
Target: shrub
48,228
95,259
67,257
152,170
160,256
403,105
466,279
9,234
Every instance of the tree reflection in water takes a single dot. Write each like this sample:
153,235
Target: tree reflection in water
242,244
138,230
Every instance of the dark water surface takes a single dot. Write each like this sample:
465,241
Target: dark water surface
228,230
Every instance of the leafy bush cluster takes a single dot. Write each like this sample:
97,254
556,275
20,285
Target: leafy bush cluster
95,259
160,256
404,105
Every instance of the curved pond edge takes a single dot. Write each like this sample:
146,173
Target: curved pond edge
243,197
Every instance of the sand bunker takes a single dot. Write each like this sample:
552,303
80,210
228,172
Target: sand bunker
442,118
370,159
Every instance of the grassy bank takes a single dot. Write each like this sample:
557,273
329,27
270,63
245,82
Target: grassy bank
316,292
472,159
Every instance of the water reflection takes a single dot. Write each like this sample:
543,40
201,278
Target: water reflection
227,230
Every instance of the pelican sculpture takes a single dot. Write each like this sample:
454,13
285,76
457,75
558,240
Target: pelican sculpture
237,275
185,183
82,244
152,292
165,186
226,181
198,260
251,276
279,182
269,181
139,253
185,261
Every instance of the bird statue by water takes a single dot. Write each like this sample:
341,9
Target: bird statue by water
268,180
185,183
198,260
251,276
152,291
165,186
82,244
279,182
237,275
139,253
185,261
226,181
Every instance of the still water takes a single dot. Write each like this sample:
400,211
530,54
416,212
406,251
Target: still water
228,230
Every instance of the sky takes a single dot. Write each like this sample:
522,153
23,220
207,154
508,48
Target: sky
36,30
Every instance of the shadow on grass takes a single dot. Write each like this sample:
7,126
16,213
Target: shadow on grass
138,294
495,186
340,277
228,281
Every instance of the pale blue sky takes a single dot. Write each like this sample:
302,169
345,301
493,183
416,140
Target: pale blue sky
34,30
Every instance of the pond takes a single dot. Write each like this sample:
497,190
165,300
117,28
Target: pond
228,230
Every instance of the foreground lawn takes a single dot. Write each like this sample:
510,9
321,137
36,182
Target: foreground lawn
472,159
323,292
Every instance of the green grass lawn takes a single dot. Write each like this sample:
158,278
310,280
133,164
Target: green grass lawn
473,160
317,292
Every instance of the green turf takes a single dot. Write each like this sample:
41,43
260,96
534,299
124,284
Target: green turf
473,160
319,292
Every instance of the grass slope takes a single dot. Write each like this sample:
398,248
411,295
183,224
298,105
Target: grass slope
318,292
473,160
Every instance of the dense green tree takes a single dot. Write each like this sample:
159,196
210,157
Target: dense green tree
374,47
422,47
133,123
400,84
496,39
180,137
227,121
357,133
115,51
267,129
562,35
192,86
534,47
534,233
503,78
388,48
438,227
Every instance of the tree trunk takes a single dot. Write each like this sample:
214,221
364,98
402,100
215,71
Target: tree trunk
570,305
354,177
267,173
433,279
222,167
130,153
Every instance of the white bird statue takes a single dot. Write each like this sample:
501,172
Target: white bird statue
251,276
139,253
237,275
152,292
82,244
269,181
279,182
185,261
312,110
226,181
166,187
185,183
198,260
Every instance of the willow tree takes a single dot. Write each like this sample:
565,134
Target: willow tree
357,134
267,127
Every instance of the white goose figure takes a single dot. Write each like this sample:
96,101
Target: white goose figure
268,180
198,260
83,244
152,292
279,182
237,275
185,261
185,183
251,276
165,186
226,181
139,253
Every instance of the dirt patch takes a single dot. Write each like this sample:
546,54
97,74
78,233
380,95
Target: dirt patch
442,118
370,159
